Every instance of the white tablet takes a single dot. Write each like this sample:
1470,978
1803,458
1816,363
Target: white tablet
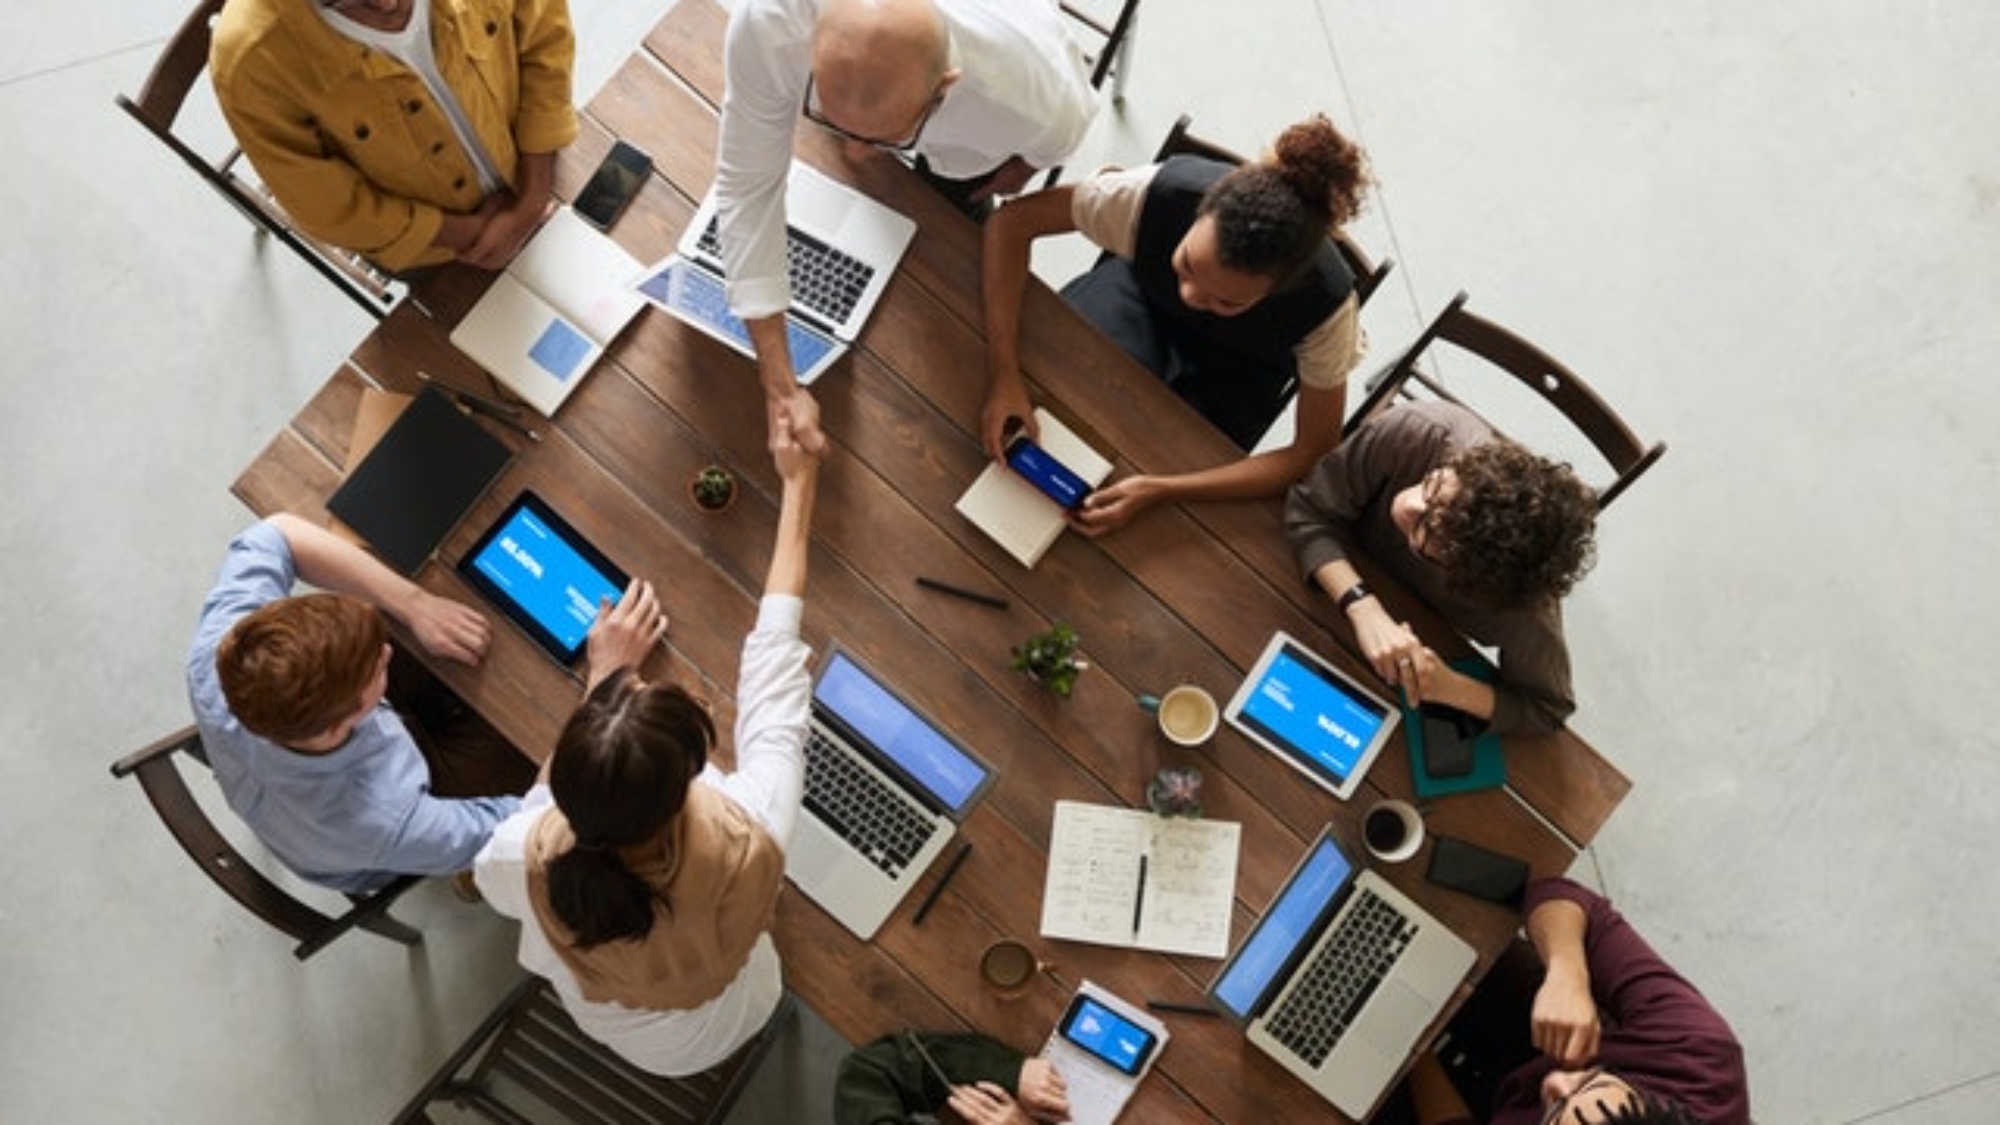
1311,714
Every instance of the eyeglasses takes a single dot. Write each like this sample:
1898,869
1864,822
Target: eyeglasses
1595,1078
1426,526
905,147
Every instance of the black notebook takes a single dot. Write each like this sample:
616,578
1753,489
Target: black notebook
418,481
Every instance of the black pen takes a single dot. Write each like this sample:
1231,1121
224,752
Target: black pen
1183,1009
961,592
937,888
501,412
1139,900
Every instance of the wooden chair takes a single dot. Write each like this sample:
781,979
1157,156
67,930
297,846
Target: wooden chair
158,107
1110,61
1532,368
527,1061
1368,274
167,789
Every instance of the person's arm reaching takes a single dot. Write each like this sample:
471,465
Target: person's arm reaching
1005,252
1564,1022
443,627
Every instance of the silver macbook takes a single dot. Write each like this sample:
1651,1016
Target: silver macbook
1340,977
885,789
841,250
1312,715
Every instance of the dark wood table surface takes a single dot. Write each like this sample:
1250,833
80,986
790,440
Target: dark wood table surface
1181,595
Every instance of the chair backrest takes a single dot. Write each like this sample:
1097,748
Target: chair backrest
528,1061
160,776
1368,274
1532,368
158,107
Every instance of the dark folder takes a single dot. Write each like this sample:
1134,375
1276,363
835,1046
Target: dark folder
418,481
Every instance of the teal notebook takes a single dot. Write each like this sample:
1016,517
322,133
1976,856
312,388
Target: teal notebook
1489,769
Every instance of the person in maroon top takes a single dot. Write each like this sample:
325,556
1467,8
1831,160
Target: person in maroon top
1621,1036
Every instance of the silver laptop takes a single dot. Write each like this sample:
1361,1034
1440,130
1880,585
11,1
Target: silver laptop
1313,716
1340,977
841,249
885,789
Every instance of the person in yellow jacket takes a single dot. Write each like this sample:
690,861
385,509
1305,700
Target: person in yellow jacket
411,131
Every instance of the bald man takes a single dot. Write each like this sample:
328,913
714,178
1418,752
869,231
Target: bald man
981,90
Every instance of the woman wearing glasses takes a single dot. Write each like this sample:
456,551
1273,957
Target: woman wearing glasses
1487,533
1615,1034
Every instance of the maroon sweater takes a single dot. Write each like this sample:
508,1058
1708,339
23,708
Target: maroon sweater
1659,1033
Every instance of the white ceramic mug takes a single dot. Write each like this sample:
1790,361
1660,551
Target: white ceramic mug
1393,831
1188,715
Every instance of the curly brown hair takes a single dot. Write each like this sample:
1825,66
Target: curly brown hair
1272,215
295,667
1520,528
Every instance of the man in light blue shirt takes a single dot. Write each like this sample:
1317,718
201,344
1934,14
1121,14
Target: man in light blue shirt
288,692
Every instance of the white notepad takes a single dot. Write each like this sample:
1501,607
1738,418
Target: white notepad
1015,513
1100,858
546,320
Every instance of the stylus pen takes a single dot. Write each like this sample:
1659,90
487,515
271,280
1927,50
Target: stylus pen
937,888
961,592
1139,900
1183,1009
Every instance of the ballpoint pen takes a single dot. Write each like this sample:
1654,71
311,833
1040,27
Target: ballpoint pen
504,413
961,592
937,888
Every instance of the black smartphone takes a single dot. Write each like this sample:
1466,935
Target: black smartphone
1054,478
618,178
1107,1035
1446,736
1477,871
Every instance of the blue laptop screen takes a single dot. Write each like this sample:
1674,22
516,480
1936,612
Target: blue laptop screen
1287,926
1303,706
690,291
904,737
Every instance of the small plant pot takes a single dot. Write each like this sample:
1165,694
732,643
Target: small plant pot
712,490
1050,659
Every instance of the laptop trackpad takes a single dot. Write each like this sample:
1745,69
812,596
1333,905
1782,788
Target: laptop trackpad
1396,1016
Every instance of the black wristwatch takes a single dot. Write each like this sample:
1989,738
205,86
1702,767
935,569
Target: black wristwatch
1354,594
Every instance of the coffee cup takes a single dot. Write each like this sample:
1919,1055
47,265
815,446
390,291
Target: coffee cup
1008,965
1188,715
1392,831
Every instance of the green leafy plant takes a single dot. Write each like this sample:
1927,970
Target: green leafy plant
713,488
1050,659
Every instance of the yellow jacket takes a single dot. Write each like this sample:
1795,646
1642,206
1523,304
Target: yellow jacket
350,141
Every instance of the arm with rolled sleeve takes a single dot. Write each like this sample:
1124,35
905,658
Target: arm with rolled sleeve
766,58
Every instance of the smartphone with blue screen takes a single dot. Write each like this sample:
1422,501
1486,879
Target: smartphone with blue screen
1124,1046
1056,480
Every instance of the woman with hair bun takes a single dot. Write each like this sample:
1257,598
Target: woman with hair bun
645,878
1221,280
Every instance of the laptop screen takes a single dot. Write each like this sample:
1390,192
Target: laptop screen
871,711
1291,924
1300,705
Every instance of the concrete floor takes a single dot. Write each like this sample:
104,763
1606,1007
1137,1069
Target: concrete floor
1769,233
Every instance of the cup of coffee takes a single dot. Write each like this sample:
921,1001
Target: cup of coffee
1188,715
1008,965
1393,831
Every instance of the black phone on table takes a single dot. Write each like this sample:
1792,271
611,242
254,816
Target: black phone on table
1056,480
1481,872
1447,736
618,178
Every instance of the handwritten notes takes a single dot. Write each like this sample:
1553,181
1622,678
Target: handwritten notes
1128,877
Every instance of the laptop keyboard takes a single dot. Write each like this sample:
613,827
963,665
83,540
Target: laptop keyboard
1341,978
825,280
879,820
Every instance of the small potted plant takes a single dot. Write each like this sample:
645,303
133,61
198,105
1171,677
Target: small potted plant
713,489
1175,791
1050,659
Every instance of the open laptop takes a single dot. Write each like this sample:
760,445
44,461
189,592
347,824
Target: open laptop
1340,977
885,789
841,249
1316,718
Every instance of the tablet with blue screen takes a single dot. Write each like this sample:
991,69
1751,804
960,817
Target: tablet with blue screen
543,575
1300,707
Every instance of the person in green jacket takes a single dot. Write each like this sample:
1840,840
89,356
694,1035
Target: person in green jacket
983,1080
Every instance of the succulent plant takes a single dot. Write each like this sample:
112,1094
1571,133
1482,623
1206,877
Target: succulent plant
1050,659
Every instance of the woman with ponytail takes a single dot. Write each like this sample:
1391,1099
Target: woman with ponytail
1218,278
645,878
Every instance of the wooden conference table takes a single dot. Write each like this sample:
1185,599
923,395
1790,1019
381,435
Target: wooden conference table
1179,595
